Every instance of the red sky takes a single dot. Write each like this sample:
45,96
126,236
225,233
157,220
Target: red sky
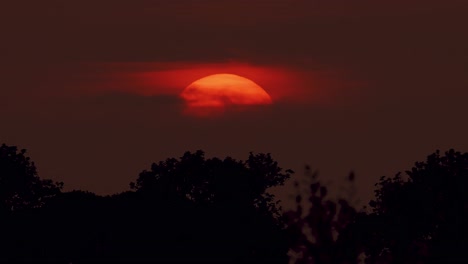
91,88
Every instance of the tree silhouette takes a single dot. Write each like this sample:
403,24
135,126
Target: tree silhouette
190,209
215,181
232,216
197,209
423,215
20,187
22,192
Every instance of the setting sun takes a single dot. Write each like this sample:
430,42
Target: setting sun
219,90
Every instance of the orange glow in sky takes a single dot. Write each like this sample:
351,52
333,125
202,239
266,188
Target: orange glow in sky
281,83
174,78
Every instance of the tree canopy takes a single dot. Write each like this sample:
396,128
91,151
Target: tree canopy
215,181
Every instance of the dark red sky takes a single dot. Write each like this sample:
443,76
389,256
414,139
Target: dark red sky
91,88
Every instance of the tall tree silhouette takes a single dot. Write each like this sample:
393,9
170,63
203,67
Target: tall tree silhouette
421,216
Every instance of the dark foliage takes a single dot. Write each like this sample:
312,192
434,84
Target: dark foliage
423,216
20,187
419,217
190,209
194,209
215,181
233,197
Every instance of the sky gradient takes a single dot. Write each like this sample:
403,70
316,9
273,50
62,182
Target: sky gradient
91,88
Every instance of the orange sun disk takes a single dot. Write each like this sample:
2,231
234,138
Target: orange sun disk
219,90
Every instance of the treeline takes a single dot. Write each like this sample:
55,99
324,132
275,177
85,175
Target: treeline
198,209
